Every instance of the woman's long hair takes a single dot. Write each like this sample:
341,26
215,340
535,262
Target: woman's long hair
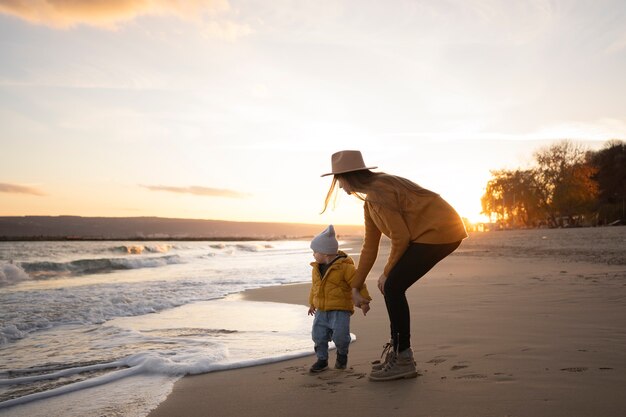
363,181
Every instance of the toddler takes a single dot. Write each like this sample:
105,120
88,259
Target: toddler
330,299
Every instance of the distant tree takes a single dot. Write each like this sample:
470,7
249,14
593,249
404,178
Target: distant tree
610,164
511,198
576,195
560,187
563,181
492,201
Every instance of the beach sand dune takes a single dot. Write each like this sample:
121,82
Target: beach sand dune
505,333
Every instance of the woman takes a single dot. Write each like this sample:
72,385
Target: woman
423,229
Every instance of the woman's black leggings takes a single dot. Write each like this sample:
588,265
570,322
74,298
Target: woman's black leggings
416,261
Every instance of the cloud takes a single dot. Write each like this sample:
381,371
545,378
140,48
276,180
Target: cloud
19,189
106,13
226,30
617,45
196,190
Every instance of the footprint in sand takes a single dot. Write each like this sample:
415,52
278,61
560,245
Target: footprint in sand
327,376
457,367
334,382
574,369
472,376
502,377
293,368
330,379
330,386
437,360
332,374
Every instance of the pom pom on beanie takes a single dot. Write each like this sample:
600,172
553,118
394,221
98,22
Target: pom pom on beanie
326,242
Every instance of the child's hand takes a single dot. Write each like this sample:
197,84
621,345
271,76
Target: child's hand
357,298
312,311
365,307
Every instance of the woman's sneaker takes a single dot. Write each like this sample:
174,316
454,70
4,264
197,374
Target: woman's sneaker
319,366
388,353
400,366
341,362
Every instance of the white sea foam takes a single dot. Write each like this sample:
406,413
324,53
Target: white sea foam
11,274
136,249
252,247
217,335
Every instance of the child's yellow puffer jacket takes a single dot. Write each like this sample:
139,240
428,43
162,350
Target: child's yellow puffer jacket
333,290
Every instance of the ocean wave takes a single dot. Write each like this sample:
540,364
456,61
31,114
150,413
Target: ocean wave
14,273
252,247
140,249
30,311
243,247
79,331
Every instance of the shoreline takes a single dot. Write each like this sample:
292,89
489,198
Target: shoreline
150,239
492,336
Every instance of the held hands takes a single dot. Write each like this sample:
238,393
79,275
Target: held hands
312,311
365,307
360,301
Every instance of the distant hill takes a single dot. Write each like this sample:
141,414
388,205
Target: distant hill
153,228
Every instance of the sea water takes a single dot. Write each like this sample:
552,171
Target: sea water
106,328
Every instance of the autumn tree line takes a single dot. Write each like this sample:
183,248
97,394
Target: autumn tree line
567,186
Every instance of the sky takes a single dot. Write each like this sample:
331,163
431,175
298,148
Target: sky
230,110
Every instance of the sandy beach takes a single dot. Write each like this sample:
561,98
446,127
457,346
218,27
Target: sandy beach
524,323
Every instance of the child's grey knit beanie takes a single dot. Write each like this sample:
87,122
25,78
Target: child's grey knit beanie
326,242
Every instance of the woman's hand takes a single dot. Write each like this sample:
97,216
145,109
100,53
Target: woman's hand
381,283
312,311
358,299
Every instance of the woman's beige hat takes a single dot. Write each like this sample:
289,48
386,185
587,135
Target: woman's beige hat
347,161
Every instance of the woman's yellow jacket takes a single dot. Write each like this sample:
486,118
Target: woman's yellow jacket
333,291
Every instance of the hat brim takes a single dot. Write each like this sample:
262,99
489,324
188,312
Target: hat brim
347,170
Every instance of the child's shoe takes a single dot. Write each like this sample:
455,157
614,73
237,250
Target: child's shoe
400,366
319,366
341,362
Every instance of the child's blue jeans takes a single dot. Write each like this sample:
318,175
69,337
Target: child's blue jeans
331,325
